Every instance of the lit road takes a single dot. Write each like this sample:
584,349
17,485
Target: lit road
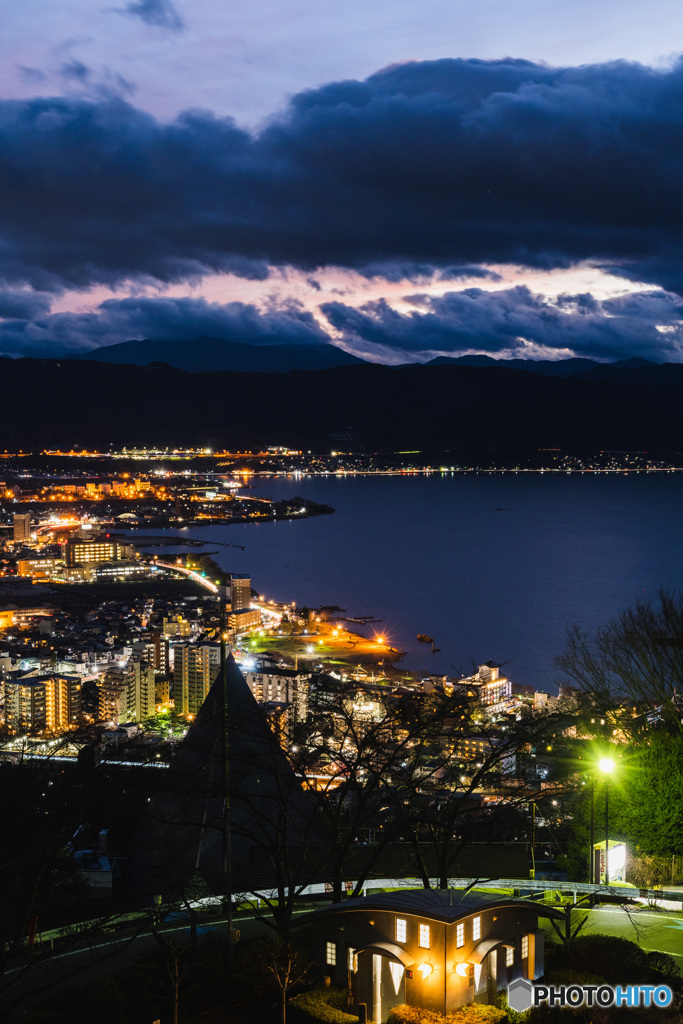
191,574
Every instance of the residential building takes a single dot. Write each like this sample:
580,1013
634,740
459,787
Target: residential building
244,619
195,667
42,703
140,691
22,528
240,592
280,685
176,625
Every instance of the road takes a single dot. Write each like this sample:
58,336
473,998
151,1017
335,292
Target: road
28,984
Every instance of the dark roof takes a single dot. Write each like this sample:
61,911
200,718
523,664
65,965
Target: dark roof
271,816
446,905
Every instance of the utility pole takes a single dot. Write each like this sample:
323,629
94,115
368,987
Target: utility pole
225,752
592,866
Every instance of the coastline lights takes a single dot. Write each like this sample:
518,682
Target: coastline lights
426,969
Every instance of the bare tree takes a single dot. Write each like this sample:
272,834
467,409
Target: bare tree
633,664
288,964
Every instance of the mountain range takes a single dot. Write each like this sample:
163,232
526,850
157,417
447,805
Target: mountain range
213,354
205,353
471,411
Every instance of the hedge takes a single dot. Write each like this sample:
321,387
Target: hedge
323,1004
477,1014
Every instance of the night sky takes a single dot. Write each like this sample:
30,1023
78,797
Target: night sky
404,179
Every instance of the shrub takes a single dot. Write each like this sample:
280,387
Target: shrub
323,1004
617,960
477,1014
664,964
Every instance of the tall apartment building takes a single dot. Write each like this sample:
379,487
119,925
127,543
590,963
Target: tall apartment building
195,667
127,693
240,592
281,685
140,691
111,696
22,527
42,704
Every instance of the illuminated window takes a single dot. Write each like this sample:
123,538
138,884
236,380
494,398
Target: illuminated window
460,935
424,936
331,950
351,959
525,946
509,956
401,930
476,927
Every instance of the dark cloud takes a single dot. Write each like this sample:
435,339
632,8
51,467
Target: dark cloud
161,13
517,322
24,305
168,319
421,168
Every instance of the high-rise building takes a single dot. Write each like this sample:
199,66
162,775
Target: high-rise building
195,667
42,704
127,693
281,685
140,691
111,695
240,592
22,527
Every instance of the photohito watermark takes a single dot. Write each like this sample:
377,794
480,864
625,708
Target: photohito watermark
522,995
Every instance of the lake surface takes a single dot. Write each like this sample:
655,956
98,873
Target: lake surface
492,566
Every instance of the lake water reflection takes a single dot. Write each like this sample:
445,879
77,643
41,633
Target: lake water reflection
492,566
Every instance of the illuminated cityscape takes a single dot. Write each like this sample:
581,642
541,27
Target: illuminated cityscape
341,477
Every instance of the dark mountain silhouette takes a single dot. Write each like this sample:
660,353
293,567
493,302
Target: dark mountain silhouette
548,367
214,354
471,411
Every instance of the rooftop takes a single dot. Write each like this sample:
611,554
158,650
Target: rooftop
445,905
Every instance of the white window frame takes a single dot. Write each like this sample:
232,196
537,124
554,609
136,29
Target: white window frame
424,936
476,928
525,946
460,934
331,954
401,929
509,956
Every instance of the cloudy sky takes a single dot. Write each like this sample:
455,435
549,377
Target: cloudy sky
403,179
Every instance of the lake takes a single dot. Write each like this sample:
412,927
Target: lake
493,566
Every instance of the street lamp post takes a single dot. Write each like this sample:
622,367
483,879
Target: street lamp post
606,766
592,870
